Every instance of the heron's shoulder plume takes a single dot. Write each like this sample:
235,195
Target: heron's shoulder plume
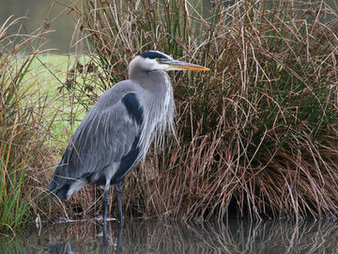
133,106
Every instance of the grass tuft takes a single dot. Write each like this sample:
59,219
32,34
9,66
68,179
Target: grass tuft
23,127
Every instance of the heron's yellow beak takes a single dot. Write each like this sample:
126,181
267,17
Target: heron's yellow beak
180,65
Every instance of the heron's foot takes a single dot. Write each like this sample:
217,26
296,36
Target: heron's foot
100,218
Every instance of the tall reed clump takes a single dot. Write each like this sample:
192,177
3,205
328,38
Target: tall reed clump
23,127
258,134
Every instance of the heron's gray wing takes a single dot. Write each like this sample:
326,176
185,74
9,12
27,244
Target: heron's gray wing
108,135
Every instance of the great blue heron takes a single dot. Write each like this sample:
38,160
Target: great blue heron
117,132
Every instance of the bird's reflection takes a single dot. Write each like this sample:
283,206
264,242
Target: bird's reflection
139,236
65,248
106,248
108,240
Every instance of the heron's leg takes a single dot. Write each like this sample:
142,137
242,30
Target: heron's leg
118,192
106,203
119,248
105,247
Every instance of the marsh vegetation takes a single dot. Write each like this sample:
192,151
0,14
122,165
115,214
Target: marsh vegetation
257,136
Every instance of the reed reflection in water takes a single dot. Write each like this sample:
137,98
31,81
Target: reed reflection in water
139,236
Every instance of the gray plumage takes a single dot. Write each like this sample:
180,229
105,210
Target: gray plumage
117,132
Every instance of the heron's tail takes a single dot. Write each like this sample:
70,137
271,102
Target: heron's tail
56,192
59,185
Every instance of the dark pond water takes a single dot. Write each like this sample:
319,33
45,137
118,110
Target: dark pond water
139,236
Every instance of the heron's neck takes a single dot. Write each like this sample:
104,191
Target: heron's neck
155,82
160,106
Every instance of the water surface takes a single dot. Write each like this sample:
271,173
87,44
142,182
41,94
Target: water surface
140,236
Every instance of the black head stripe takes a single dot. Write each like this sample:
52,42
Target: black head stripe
153,54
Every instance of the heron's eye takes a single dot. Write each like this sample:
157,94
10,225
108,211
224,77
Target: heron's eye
158,60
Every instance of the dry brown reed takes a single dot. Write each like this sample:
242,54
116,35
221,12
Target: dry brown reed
23,124
258,134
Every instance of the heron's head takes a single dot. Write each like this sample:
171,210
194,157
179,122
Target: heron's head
152,60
